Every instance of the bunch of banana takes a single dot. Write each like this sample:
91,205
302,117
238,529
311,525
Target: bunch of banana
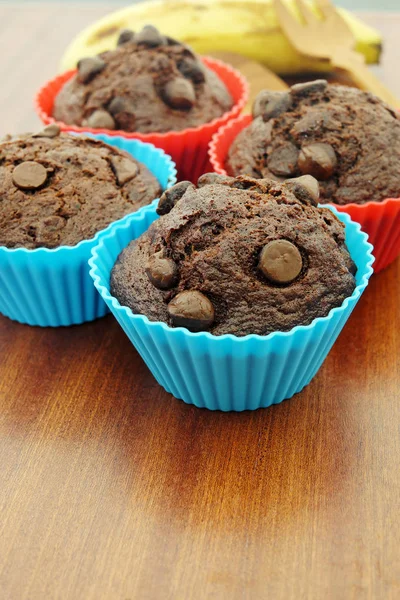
247,27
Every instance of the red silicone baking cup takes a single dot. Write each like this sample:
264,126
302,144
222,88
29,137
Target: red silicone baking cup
189,147
380,220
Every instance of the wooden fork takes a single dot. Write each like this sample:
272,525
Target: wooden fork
330,39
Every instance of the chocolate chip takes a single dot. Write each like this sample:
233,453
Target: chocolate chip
313,121
280,261
162,272
212,178
172,41
170,197
283,160
29,175
119,105
123,112
271,104
51,131
305,188
150,37
309,87
126,35
100,119
191,309
192,69
179,93
187,51
89,67
124,168
318,160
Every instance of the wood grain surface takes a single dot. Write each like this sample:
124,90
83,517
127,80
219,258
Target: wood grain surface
112,489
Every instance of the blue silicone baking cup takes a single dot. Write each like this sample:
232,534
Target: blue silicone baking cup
226,372
52,287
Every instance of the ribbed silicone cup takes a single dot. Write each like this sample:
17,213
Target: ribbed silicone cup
189,147
228,372
380,220
223,139
52,287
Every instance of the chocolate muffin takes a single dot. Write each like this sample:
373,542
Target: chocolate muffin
57,189
239,256
149,83
348,139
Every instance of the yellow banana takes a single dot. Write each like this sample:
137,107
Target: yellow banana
247,27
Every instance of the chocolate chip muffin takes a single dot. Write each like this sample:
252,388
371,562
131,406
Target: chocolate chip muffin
348,139
57,189
150,83
239,256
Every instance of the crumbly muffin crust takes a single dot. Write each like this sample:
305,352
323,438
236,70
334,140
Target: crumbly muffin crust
57,189
149,83
237,256
348,139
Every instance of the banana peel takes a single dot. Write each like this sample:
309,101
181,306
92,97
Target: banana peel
248,27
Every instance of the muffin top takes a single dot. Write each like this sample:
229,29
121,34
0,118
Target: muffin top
57,189
237,255
149,83
348,139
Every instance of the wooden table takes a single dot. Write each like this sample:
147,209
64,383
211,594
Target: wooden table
112,489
